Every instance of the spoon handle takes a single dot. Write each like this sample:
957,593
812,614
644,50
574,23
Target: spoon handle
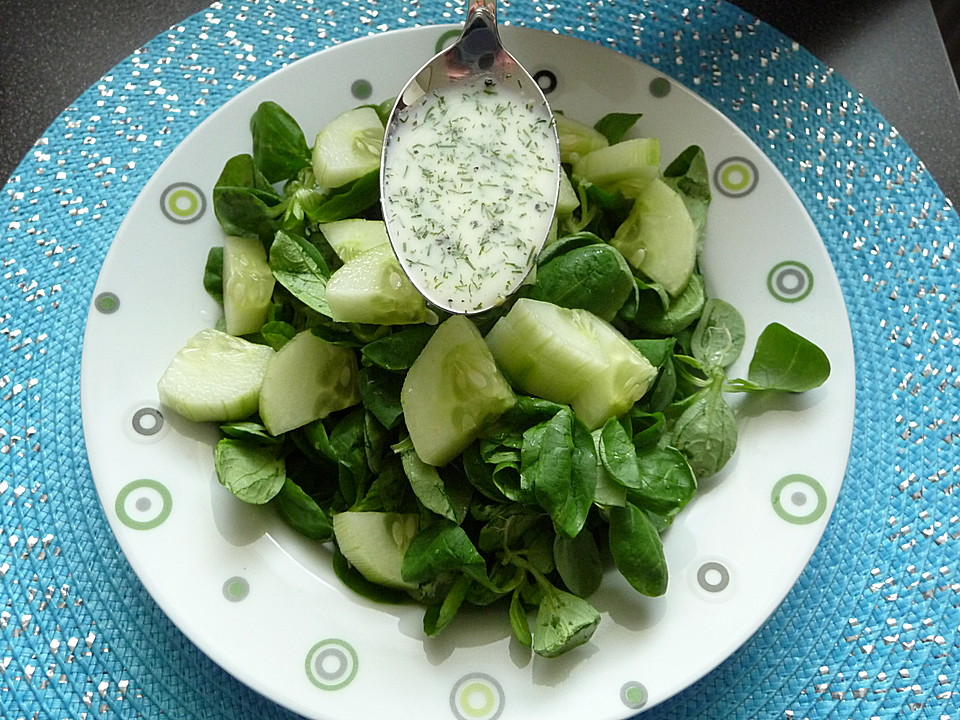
487,8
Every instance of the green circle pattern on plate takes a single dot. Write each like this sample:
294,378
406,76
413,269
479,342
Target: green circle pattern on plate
332,664
236,588
143,504
735,177
799,499
477,696
107,303
660,87
361,89
183,203
634,695
790,281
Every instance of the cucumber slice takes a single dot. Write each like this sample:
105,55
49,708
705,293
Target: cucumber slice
215,377
352,236
306,380
372,288
375,543
570,356
452,391
348,147
658,237
576,138
626,167
247,284
567,199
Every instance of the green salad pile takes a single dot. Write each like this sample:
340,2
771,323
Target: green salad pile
505,458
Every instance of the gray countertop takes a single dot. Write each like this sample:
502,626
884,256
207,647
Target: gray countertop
889,50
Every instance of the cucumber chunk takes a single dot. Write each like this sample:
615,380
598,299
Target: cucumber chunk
375,543
576,138
567,198
372,288
247,284
570,356
215,377
306,380
658,237
626,167
452,391
348,147
352,236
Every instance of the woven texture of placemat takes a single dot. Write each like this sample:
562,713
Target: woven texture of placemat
871,628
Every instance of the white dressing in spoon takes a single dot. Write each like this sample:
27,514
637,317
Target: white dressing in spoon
469,180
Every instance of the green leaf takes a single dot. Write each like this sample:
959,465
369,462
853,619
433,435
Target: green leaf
299,267
519,622
689,175
244,201
578,563
277,333
656,316
449,498
618,454
253,473
564,621
398,350
439,616
719,335
510,522
595,277
318,439
657,350
786,361
302,513
380,393
637,550
480,473
614,126
504,579
251,432
213,273
347,442
667,482
280,150
706,432
439,548
558,461
348,201
647,427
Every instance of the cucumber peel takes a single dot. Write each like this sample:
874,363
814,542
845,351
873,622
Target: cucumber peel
570,356
658,237
306,380
577,138
452,391
353,236
372,288
375,543
215,377
247,284
348,147
626,167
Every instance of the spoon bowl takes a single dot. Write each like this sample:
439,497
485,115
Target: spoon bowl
470,171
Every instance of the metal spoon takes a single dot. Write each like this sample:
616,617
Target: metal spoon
442,263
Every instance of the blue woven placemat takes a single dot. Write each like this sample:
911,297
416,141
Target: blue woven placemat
871,628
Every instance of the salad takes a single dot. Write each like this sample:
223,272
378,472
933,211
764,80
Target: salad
455,461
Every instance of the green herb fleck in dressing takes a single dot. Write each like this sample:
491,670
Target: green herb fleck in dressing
470,186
